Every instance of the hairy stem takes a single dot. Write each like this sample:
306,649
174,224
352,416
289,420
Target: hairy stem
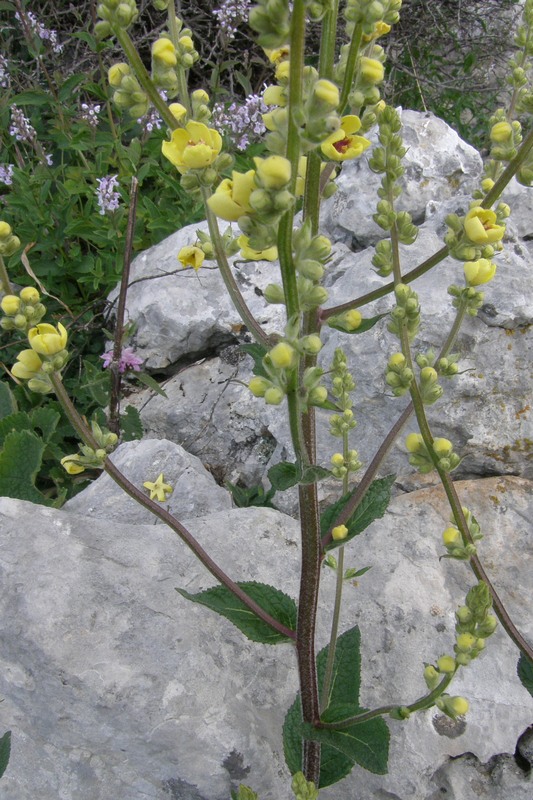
133,491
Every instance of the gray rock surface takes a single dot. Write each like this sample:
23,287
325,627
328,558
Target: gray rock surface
438,163
115,687
195,490
486,409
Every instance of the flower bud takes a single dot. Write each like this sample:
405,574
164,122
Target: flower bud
116,74
372,70
5,230
446,665
327,93
431,677
29,295
318,396
311,344
282,355
273,172
10,305
273,396
339,533
274,293
258,386
501,132
457,706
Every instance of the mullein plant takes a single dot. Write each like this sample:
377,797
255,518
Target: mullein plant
319,117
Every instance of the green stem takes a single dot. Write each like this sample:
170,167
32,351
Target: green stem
144,78
328,672
351,64
423,703
437,257
229,281
4,277
87,437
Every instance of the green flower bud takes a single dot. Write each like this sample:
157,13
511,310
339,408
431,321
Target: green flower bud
274,293
282,356
431,677
10,305
273,396
446,665
258,386
311,344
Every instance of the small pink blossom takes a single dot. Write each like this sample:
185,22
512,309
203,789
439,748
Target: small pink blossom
128,360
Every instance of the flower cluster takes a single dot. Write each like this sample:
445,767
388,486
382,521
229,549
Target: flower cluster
230,14
89,113
107,196
21,128
89,457
6,174
39,30
241,122
23,311
4,73
128,360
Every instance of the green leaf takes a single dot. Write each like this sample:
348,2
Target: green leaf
68,87
525,673
131,424
365,744
5,751
284,475
273,601
365,325
45,420
8,403
258,352
244,793
32,98
373,506
20,461
244,497
314,473
147,380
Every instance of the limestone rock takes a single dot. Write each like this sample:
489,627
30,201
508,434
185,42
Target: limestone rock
437,164
195,490
115,687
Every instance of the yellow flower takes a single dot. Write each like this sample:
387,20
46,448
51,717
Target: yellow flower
193,147
258,386
232,197
28,365
158,490
342,144
186,42
116,73
282,71
282,355
278,55
352,319
191,256
164,51
372,70
457,706
200,96
380,29
479,272
47,340
451,537
273,172
446,664
29,295
178,111
10,304
339,533
69,463
249,254
414,442
481,227
501,132
327,92
274,96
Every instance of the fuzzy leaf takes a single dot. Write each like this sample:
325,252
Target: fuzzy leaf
20,461
8,403
373,506
5,751
276,603
258,352
147,380
130,422
365,744
284,475
365,325
525,673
